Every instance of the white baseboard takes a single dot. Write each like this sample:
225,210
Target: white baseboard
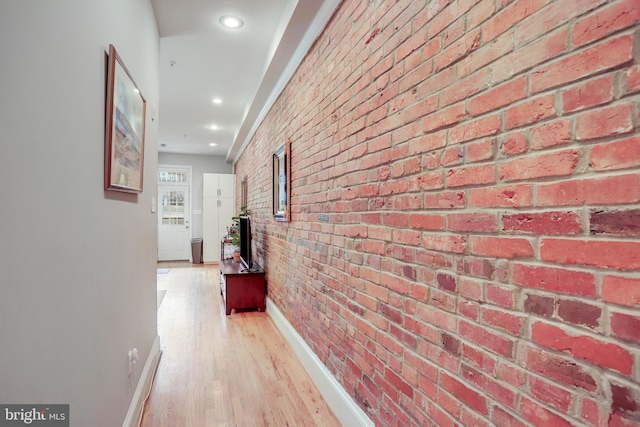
342,405
144,385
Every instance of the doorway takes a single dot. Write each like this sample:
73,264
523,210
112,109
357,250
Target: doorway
174,213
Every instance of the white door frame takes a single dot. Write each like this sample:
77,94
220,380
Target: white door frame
172,168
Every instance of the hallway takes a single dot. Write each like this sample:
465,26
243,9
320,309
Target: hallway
218,370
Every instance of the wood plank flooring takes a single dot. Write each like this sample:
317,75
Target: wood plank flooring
219,370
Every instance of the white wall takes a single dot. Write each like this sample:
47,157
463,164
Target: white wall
200,165
77,264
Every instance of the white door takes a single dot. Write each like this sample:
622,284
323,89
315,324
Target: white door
174,234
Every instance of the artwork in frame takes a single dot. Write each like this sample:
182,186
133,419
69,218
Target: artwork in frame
125,126
281,183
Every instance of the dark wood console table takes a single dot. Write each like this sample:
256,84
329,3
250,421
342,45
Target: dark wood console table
241,289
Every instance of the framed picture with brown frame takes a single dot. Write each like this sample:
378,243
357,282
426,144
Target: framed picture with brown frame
125,126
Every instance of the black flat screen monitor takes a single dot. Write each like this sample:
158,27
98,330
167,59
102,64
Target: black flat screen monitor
245,241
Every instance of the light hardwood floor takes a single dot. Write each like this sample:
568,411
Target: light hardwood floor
218,370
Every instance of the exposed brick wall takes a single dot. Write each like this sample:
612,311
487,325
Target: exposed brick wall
465,238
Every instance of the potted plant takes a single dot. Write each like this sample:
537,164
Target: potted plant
234,232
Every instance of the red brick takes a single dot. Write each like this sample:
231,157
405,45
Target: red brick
549,223
469,310
583,347
589,94
478,267
431,259
431,85
426,181
471,175
621,154
468,417
444,117
621,290
420,77
603,56
479,358
590,412
555,280
486,339
551,394
512,375
500,247
516,196
374,247
444,243
539,305
633,78
474,129
530,111
463,89
605,21
615,222
395,219
488,385
427,221
478,151
446,282
428,143
558,368
514,143
452,156
480,13
555,14
457,50
510,16
550,134
489,53
596,253
450,343
398,383
501,319
410,45
420,109
604,122
470,288
530,55
465,394
395,283
438,318
443,300
447,15
625,398
559,163
500,295
446,200
472,222
579,313
626,327
497,97
539,416
604,190
503,418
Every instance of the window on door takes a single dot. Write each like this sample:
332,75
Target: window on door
173,208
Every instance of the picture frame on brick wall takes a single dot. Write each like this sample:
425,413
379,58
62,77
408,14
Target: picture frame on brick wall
281,184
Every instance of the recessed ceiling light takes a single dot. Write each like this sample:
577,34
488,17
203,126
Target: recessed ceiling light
214,127
229,21
217,101
213,144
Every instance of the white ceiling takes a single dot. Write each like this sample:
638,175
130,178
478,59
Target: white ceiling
246,67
